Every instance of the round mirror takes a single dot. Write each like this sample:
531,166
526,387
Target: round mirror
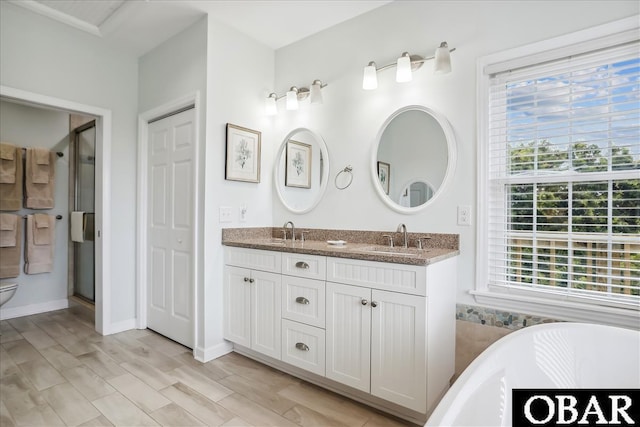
301,170
413,159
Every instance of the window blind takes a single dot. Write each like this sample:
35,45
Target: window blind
564,177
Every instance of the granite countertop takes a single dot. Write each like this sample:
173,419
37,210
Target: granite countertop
364,245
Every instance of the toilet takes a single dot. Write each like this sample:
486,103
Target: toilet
6,291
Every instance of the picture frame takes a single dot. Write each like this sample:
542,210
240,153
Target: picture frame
243,154
384,175
298,164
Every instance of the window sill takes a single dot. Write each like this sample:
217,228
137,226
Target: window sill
558,309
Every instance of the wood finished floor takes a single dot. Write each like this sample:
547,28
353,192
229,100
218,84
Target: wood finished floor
55,370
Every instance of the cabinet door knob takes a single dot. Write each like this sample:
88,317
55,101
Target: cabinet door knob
251,280
302,300
364,302
302,346
302,264
246,279
374,304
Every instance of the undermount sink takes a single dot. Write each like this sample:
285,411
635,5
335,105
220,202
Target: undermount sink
386,250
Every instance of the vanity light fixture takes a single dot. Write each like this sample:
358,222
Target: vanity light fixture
293,96
407,64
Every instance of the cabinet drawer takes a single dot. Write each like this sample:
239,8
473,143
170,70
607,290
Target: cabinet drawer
309,266
303,346
408,279
253,258
303,300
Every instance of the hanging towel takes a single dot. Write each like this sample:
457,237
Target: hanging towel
10,177
10,255
78,226
8,235
40,182
38,256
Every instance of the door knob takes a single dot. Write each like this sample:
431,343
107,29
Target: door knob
374,304
364,302
246,279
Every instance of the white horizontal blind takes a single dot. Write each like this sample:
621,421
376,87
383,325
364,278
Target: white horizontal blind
564,177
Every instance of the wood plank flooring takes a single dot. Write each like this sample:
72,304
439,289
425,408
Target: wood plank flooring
56,370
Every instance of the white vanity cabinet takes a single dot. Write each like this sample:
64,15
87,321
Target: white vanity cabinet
252,300
383,333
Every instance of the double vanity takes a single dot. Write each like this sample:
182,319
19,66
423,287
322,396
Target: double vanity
347,311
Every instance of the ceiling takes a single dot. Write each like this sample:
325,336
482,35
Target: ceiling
140,25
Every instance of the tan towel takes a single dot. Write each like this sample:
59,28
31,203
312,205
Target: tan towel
8,160
8,235
38,165
10,177
39,191
38,258
10,255
41,232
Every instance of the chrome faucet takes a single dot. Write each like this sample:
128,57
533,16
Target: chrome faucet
403,229
293,231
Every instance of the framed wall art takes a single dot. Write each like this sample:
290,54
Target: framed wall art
384,173
243,154
298,164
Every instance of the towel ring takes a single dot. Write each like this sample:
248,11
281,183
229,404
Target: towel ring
346,170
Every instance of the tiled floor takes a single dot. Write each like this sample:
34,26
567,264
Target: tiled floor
56,370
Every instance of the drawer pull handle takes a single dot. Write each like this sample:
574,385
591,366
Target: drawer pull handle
302,346
302,300
302,264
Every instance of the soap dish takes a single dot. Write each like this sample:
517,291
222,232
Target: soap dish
336,242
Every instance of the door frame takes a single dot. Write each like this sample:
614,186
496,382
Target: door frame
142,204
102,191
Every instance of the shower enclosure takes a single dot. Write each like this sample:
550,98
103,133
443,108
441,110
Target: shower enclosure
84,200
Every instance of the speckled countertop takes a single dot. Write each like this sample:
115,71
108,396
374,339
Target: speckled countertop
365,245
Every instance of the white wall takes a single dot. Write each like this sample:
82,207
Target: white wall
26,126
43,56
240,75
351,117
231,72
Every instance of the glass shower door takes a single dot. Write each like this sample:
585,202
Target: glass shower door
84,252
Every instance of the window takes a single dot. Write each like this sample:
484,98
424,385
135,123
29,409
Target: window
561,176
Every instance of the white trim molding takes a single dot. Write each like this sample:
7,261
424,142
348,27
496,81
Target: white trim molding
103,191
515,300
28,310
206,354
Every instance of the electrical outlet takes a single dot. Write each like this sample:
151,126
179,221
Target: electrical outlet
225,214
464,215
243,212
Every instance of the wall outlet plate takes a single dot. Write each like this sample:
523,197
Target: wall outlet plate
225,214
464,215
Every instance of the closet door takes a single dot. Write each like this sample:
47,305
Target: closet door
170,256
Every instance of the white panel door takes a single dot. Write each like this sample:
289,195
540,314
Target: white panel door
348,335
398,349
170,269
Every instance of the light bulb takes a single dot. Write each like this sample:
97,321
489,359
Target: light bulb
316,92
403,71
270,107
292,99
442,63
370,77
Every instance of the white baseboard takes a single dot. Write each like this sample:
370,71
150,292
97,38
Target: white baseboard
27,310
206,354
123,325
